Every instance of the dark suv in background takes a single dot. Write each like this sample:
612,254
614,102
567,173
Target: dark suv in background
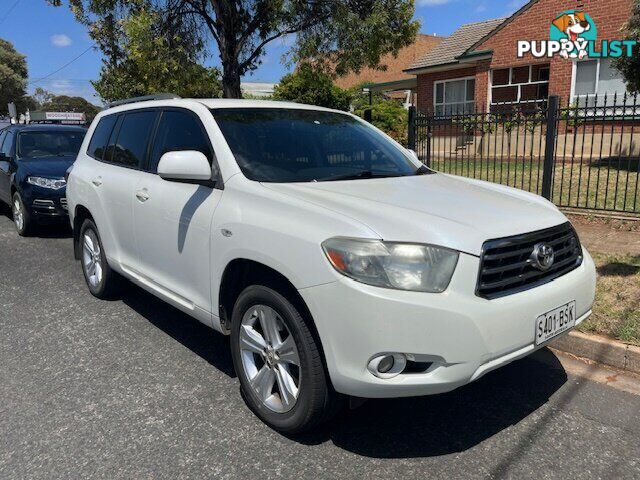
33,162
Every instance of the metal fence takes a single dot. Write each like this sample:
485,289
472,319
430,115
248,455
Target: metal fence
582,154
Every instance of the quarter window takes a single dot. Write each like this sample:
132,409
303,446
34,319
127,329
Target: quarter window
133,138
178,131
3,133
100,138
7,144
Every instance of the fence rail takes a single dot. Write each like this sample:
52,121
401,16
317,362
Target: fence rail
583,154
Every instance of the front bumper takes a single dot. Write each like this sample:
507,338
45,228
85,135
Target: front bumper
45,204
462,335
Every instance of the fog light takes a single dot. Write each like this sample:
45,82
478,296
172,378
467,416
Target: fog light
387,365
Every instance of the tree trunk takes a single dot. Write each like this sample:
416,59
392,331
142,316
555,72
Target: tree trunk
231,80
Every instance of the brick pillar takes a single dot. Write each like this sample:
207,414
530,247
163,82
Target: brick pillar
482,84
560,78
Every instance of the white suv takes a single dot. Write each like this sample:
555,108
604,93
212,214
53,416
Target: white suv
339,264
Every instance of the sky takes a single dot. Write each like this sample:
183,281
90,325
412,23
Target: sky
59,48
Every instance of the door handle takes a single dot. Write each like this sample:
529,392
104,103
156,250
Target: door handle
97,181
142,195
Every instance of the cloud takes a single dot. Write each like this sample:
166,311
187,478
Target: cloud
60,40
432,3
480,8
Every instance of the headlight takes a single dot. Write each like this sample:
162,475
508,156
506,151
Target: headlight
52,183
402,266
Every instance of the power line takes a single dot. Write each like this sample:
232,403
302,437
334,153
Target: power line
62,67
6,15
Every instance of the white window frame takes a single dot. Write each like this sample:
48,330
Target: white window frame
519,100
574,78
449,80
586,110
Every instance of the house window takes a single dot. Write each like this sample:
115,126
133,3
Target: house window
597,83
525,87
455,96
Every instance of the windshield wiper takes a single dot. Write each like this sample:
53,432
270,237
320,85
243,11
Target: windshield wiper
358,175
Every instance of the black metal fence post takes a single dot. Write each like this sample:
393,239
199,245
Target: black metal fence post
553,108
411,132
367,115
427,158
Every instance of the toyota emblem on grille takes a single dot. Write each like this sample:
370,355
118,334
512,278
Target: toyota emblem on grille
542,256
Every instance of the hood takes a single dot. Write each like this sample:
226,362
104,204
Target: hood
51,167
439,209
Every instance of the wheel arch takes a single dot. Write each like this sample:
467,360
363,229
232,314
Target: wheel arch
240,273
80,215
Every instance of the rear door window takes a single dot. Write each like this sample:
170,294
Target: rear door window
130,148
100,138
179,130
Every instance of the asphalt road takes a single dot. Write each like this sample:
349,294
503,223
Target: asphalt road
135,389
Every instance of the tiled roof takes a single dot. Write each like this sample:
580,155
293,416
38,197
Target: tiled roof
457,44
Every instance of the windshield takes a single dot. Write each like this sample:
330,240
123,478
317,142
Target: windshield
49,143
295,145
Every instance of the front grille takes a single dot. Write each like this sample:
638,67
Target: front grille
63,203
506,266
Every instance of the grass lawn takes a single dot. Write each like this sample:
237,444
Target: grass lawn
616,312
611,184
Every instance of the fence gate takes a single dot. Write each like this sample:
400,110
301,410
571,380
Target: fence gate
584,154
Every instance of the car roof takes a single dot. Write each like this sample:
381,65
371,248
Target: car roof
48,127
213,103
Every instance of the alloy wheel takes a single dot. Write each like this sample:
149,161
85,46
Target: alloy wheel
92,258
18,215
270,358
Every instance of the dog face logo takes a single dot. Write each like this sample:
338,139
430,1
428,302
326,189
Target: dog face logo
572,24
573,34
574,29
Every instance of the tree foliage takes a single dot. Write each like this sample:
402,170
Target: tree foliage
13,77
630,66
150,62
360,30
46,101
312,86
387,114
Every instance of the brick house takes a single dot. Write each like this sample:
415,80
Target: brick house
393,80
477,67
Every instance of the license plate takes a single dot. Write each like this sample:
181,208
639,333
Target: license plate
553,323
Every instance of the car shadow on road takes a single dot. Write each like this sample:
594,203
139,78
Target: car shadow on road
200,339
397,428
446,423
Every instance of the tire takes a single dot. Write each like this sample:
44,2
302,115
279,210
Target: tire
315,400
22,219
101,280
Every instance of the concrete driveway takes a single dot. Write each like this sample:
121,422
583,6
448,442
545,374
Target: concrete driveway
135,389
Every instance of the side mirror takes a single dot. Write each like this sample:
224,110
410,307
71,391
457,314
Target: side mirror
188,166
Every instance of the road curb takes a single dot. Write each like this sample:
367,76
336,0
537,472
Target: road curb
600,349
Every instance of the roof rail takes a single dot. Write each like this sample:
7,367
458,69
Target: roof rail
155,96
